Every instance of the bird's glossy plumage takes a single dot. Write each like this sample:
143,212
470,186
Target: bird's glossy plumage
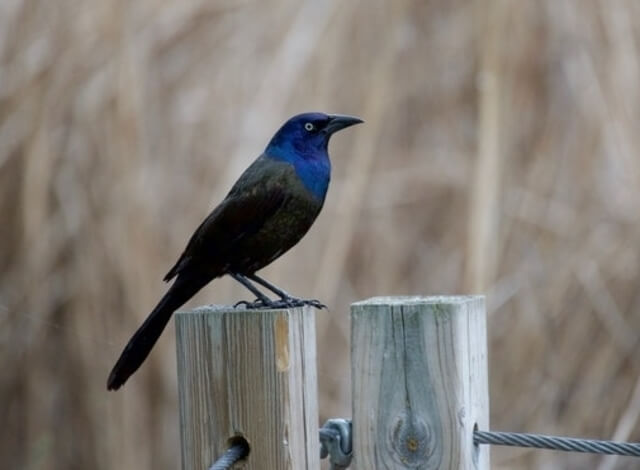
268,210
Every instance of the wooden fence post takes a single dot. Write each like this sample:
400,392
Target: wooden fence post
249,373
419,377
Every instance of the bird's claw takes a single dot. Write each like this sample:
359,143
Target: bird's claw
256,304
314,303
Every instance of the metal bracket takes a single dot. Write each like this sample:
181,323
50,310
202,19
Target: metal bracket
335,442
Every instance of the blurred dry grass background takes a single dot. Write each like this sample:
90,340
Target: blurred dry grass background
501,155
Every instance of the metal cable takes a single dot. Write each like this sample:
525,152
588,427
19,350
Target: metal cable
330,436
232,455
567,444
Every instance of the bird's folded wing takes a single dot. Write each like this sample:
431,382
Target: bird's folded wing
240,215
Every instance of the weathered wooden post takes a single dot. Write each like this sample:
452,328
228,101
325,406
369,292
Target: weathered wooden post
419,377
249,373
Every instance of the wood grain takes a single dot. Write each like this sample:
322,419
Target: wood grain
419,372
252,374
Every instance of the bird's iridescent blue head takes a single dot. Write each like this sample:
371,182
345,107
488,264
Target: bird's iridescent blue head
303,141
309,133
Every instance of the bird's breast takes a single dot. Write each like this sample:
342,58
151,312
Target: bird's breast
314,177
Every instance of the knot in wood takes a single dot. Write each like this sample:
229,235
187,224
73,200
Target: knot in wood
412,440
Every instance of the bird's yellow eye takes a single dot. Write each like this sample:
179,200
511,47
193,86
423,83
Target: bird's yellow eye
309,127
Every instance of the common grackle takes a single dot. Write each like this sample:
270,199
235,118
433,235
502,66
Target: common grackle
267,211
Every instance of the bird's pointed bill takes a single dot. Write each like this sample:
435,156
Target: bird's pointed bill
340,121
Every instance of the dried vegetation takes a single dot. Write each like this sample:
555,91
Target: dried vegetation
500,155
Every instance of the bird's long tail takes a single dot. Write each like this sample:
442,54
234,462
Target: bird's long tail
145,337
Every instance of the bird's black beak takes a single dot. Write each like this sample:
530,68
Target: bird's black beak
339,121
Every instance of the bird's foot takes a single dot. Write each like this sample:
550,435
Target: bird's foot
310,302
285,302
291,302
256,304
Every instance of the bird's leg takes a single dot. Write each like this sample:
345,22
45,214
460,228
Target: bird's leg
289,300
261,299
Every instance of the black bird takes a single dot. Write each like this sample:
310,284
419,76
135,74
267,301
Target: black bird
267,211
